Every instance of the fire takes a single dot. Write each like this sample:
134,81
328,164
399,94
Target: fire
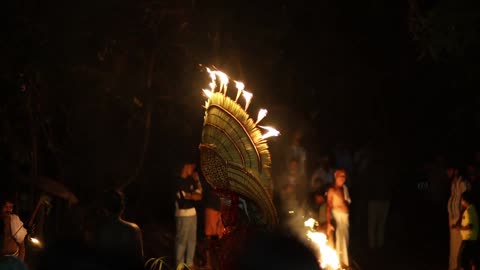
215,76
327,256
261,114
270,132
35,241
248,98
207,93
223,81
240,86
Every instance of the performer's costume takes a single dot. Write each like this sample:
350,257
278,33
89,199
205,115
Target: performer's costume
234,156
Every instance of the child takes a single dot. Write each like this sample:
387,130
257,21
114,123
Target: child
468,226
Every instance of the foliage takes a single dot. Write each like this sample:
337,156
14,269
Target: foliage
156,264
449,30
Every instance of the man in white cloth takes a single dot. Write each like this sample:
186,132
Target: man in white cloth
458,187
14,233
338,201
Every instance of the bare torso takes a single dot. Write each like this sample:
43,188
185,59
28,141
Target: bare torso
337,199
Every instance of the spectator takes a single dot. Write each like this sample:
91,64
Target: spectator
458,187
189,190
468,227
379,190
13,233
117,238
338,202
297,152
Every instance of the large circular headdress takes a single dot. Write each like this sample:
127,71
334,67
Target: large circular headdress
234,153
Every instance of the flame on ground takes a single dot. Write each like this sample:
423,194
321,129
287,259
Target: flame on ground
327,256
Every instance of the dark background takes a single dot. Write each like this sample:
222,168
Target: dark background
100,93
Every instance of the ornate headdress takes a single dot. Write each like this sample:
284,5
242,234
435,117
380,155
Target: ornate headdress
234,153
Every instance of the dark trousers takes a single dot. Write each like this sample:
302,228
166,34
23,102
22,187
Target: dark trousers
469,254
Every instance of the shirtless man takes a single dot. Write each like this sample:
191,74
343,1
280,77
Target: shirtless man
117,238
338,201
13,232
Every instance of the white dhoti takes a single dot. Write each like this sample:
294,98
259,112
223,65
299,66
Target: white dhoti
455,243
341,235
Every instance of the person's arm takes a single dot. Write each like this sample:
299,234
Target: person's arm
21,251
140,244
328,214
465,228
194,196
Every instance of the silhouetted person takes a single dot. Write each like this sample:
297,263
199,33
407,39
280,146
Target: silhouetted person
274,250
297,151
74,255
117,240
379,191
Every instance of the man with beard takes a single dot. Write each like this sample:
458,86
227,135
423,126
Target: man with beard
13,233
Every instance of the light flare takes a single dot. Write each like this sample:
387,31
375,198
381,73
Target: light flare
270,132
214,74
248,98
327,256
207,93
212,84
35,241
261,114
240,87
223,81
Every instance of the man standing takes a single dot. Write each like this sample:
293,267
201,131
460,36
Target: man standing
338,201
380,178
297,152
117,238
458,187
189,190
468,227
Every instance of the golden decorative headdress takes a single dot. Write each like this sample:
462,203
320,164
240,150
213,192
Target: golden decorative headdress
234,153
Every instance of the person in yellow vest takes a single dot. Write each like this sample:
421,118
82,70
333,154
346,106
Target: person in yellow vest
468,226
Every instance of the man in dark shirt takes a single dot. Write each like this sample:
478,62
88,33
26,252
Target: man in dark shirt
189,190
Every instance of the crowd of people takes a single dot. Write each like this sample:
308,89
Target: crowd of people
456,186
108,242
301,191
324,190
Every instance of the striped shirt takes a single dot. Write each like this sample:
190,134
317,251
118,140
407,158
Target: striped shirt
454,202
